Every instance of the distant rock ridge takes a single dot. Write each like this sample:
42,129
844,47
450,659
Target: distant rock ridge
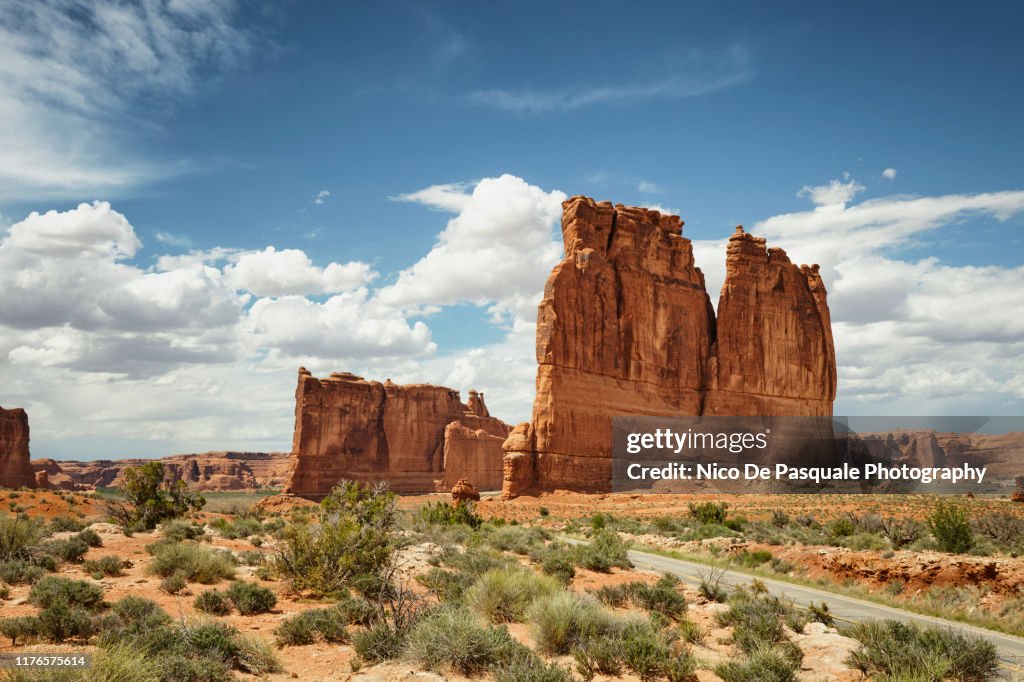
417,437
207,471
626,327
15,466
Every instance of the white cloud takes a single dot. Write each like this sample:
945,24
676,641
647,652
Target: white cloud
71,71
451,197
291,272
692,75
648,187
94,229
499,249
837,192
321,196
172,239
889,173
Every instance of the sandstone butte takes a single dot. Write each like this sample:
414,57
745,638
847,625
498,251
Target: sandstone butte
417,437
15,465
626,327
207,471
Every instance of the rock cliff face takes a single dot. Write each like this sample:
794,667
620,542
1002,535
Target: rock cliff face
417,437
626,327
208,471
15,467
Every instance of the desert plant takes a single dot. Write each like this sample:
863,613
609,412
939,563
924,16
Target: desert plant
197,563
765,664
504,594
566,619
250,598
351,546
711,587
450,638
663,597
447,585
90,537
527,667
213,602
951,528
178,530
71,549
691,632
150,499
605,551
559,565
64,524
62,621
18,571
314,625
907,651
442,513
709,512
129,618
20,627
52,590
174,583
18,536
108,565
900,532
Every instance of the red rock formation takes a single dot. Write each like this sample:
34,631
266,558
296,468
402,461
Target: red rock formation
627,328
1018,494
418,437
15,466
464,491
208,471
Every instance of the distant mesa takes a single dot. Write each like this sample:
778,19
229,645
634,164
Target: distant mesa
626,327
15,465
416,437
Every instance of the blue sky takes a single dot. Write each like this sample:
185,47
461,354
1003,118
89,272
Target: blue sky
883,141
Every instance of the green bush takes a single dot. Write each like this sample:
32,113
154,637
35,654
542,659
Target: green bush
150,499
503,595
529,668
757,620
558,565
351,546
663,597
381,641
952,529
52,590
842,527
214,602
907,651
314,625
108,565
250,598
72,549
197,563
444,514
65,524
90,537
752,559
18,537
239,529
605,551
450,638
447,585
612,595
177,530
20,627
62,621
357,611
561,622
129,618
174,583
765,664
19,571
709,512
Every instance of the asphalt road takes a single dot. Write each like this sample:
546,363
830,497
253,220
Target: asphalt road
848,609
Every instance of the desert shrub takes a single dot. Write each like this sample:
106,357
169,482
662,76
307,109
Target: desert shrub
752,559
691,632
71,549
252,558
62,621
908,651
177,530
150,499
450,638
447,585
197,563
709,512
503,595
566,619
255,656
527,667
819,613
612,595
780,519
18,536
558,565
357,611
711,587
174,583
351,546
474,561
1006,529
443,514
901,532
19,571
757,620
20,627
90,537
314,625
52,590
843,527
238,528
250,598
662,597
861,541
605,551
952,529
129,618
214,602
108,565
765,664
65,524
381,641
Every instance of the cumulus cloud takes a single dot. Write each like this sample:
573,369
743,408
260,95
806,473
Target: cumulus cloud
93,229
291,272
450,197
498,249
889,173
321,196
71,71
837,192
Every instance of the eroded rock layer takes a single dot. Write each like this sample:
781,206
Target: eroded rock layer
417,437
626,327
15,466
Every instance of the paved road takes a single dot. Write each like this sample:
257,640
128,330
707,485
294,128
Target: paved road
849,609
